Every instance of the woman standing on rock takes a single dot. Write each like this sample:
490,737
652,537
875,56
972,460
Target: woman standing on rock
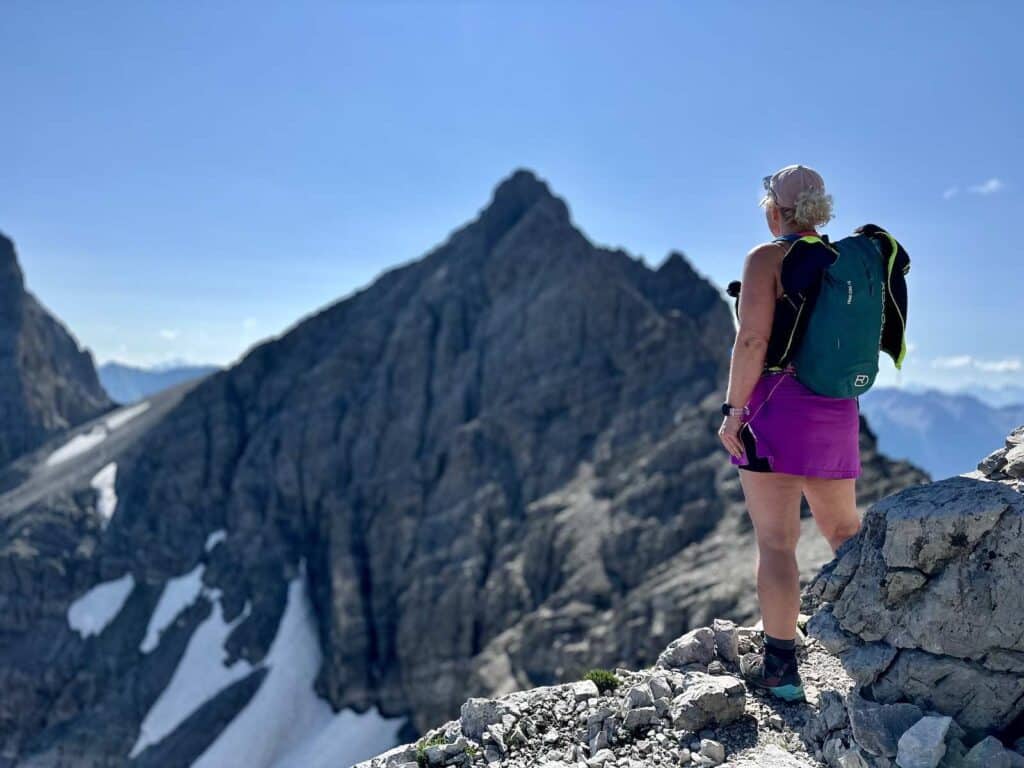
787,440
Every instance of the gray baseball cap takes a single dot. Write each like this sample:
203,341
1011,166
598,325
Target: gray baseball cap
786,184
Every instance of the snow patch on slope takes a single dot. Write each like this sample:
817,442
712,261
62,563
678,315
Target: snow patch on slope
285,724
77,445
199,676
345,740
120,417
86,441
179,593
215,538
92,612
104,485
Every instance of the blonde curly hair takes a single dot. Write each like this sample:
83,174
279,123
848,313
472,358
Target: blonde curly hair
813,208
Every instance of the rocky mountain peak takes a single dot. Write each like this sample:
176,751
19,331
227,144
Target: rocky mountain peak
47,383
12,282
513,198
674,263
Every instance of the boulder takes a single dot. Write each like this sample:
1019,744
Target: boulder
726,640
877,727
924,743
708,700
989,753
926,605
477,714
713,750
696,647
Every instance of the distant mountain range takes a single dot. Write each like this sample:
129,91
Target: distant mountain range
129,384
1007,394
944,433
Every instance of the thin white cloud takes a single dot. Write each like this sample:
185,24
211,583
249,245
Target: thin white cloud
950,193
989,187
1004,365
169,334
999,366
249,323
955,361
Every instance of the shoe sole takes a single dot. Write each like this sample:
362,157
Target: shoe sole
789,692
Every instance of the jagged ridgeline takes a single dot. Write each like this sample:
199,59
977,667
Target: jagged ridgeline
493,468
47,383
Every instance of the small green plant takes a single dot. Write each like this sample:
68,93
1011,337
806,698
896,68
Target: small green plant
472,750
421,748
603,679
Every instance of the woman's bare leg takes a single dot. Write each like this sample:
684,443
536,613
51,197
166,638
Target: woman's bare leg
833,503
773,502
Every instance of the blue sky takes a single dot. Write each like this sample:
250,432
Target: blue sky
183,179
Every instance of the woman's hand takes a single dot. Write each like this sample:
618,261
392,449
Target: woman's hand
729,434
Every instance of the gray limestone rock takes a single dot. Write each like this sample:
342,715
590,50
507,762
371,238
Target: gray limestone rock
638,696
584,689
994,462
695,647
660,687
639,717
988,753
774,756
924,743
866,662
826,629
877,727
852,758
713,750
708,700
726,640
477,714
1014,466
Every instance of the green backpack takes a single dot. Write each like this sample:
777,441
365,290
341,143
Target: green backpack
838,353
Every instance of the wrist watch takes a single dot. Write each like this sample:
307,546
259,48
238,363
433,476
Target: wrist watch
729,410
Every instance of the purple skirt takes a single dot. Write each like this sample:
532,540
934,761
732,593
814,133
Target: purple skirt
793,429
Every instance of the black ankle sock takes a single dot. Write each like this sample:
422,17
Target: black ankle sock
778,644
783,651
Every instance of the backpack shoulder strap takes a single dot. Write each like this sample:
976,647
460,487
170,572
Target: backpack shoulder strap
804,262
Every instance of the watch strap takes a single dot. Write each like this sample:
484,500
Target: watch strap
731,410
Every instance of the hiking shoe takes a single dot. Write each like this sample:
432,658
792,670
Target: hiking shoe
781,679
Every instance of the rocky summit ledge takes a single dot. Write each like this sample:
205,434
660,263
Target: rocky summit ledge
914,657
691,708
1005,464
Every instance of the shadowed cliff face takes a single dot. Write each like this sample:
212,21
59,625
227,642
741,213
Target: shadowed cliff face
405,439
498,463
47,383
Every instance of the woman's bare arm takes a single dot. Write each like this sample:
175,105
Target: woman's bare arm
756,312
